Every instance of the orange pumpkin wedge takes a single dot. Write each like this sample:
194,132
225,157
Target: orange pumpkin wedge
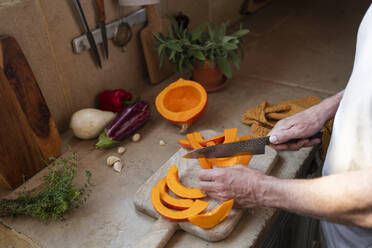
212,218
182,102
217,140
231,136
178,189
197,207
244,138
194,139
170,201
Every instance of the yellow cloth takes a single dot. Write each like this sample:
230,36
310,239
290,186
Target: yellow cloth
263,117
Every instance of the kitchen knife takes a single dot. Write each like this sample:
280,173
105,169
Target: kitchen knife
89,34
102,24
252,146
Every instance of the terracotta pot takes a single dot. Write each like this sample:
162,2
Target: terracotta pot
212,79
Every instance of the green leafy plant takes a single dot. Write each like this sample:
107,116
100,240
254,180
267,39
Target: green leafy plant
56,196
207,42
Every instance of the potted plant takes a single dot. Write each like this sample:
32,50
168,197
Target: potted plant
207,51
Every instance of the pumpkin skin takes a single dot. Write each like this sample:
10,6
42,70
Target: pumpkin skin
171,201
214,217
197,207
182,102
178,189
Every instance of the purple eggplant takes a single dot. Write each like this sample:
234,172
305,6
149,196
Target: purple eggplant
126,122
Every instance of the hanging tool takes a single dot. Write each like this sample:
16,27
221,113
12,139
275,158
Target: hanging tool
89,35
155,24
102,24
123,33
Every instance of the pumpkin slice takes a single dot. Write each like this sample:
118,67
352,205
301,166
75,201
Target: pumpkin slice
194,139
217,140
212,218
184,143
244,159
182,102
178,189
231,136
197,207
242,138
171,201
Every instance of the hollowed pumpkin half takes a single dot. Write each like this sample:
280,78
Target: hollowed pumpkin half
197,207
182,102
212,218
171,201
178,189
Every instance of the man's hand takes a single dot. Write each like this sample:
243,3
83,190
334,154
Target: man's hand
304,124
238,182
300,125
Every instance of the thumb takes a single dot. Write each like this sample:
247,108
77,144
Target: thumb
279,138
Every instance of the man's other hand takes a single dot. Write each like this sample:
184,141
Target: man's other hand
238,182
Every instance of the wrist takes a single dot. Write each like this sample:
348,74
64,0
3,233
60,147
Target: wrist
266,193
328,107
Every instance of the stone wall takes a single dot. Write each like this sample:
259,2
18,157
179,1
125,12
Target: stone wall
45,29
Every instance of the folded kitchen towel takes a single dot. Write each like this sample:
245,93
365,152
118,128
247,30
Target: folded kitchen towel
262,118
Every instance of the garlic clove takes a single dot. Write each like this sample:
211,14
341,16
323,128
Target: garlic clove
121,150
136,137
111,160
118,166
162,143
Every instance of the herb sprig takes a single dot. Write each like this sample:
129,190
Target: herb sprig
56,196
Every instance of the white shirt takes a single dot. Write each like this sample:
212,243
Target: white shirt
351,142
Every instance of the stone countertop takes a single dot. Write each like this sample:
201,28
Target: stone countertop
109,218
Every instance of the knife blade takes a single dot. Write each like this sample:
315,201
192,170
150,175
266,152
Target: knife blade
246,147
89,34
102,24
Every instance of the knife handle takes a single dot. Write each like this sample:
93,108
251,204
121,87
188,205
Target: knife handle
101,10
317,135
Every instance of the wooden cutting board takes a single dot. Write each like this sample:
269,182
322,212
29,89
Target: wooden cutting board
28,133
155,24
188,169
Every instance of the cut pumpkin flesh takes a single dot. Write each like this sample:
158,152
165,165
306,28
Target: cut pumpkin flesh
244,138
217,140
197,207
212,218
194,140
170,201
178,189
231,136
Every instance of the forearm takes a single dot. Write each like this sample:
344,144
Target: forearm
344,198
328,107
